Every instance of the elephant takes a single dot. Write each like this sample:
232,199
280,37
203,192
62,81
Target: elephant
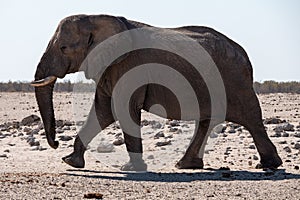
77,36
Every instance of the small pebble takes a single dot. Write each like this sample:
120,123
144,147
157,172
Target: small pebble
285,134
255,157
297,146
163,143
287,149
159,134
65,137
119,141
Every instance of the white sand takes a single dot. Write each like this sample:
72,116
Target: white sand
42,174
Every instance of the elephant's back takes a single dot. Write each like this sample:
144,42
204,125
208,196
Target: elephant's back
226,53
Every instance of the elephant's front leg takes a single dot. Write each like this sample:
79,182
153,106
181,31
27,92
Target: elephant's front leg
100,116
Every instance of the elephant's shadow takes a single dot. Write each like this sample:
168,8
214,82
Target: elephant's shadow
206,175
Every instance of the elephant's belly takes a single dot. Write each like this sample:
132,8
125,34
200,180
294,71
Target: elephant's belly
172,104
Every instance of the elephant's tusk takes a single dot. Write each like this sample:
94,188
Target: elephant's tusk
43,82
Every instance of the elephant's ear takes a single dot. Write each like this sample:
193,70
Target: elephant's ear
105,26
102,27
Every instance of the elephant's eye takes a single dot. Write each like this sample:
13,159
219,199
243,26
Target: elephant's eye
63,49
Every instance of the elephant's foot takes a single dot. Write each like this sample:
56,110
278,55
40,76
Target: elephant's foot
74,160
134,166
271,163
187,163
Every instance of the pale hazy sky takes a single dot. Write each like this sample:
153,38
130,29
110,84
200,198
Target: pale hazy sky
269,30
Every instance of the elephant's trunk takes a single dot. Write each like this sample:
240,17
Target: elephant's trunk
44,97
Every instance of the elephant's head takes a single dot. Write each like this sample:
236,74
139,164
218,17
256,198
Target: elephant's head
74,38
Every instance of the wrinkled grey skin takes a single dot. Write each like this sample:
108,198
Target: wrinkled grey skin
77,35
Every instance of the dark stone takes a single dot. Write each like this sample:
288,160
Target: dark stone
174,123
159,134
285,134
164,143
297,146
28,121
119,141
273,121
287,149
65,137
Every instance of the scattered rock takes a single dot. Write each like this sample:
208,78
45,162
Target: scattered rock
284,127
42,148
219,128
296,167
93,196
34,148
68,123
150,157
156,125
163,143
105,148
28,121
297,146
144,122
231,130
27,129
255,157
159,135
3,156
282,142
119,141
174,123
66,128
277,134
287,149
35,131
252,146
273,121
59,123
65,138
224,168
297,135
173,129
213,134
34,143
59,130
6,151
285,134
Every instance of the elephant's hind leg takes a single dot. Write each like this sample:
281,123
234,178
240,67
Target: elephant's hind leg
191,159
132,133
252,120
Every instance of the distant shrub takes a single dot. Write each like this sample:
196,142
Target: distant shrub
59,87
260,88
277,87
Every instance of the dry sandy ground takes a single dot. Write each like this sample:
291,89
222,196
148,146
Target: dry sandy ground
32,170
